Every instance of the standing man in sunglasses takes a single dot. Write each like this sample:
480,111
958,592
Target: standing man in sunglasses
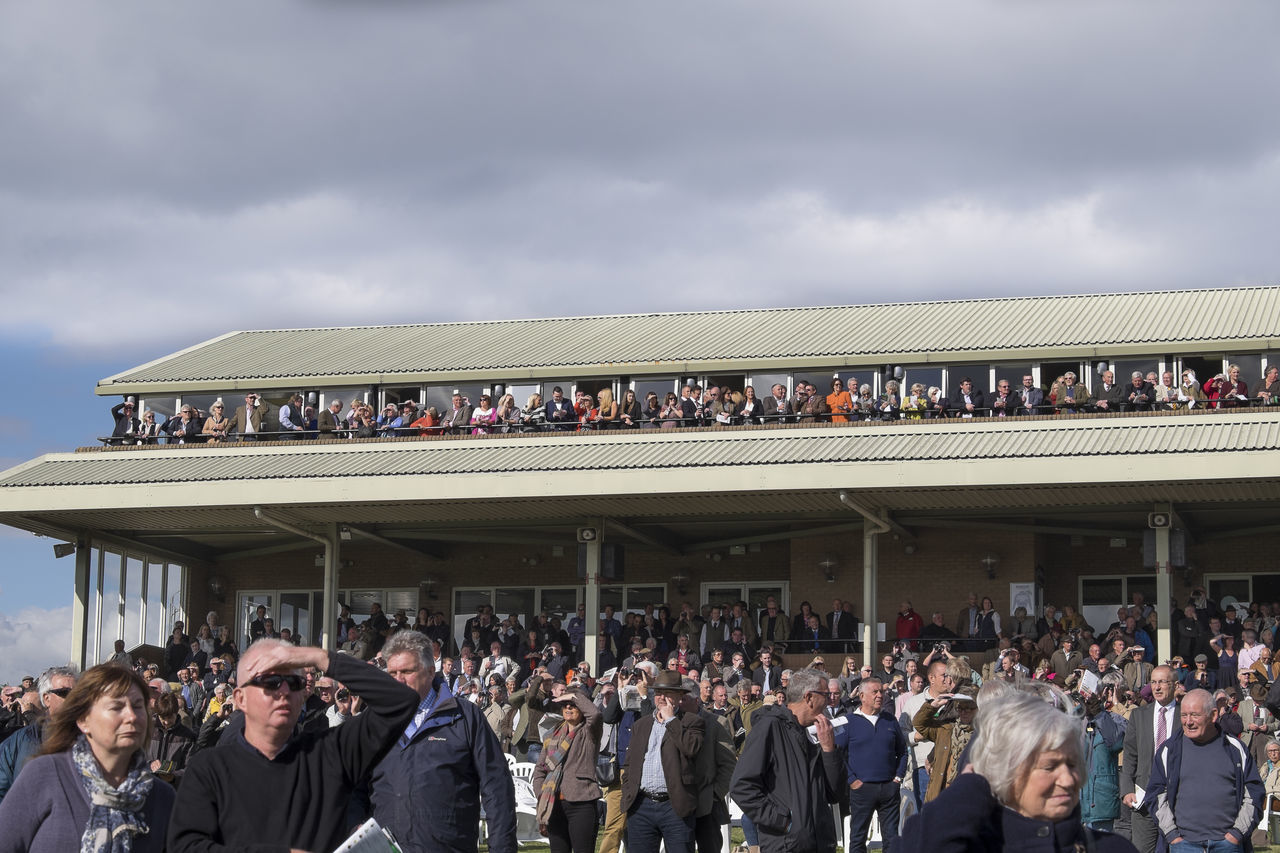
269,786
54,685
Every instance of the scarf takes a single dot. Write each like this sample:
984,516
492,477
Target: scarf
960,736
554,751
115,814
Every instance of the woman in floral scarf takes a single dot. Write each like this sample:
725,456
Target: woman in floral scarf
90,789
565,778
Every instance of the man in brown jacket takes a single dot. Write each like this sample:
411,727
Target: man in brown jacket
659,782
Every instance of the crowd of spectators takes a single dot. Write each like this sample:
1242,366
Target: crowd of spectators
723,664
694,407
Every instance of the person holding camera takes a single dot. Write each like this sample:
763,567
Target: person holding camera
1066,659
250,418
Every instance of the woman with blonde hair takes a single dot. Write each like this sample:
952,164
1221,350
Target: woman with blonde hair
507,415
607,410
534,416
916,403
91,788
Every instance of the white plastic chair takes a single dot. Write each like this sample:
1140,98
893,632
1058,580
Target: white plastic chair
526,812
523,770
511,761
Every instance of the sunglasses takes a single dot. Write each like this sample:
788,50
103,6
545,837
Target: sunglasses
60,692
272,682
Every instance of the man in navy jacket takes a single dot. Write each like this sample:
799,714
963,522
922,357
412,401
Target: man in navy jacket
877,750
1226,799
427,789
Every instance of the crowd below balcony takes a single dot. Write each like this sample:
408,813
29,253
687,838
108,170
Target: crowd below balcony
716,406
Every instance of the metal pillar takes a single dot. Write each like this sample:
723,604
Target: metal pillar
80,605
591,634
330,607
1164,635
870,555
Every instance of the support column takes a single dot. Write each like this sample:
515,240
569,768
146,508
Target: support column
331,563
870,558
80,605
1164,635
591,596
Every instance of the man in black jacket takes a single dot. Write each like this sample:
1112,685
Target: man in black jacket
785,783
267,788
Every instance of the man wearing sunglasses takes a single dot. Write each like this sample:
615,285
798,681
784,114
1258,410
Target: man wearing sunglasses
269,786
54,685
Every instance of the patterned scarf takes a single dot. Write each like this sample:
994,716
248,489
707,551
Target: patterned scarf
960,736
115,814
554,750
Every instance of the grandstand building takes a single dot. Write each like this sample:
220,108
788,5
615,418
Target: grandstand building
1078,507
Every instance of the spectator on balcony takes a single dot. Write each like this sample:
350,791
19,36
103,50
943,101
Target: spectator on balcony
1190,393
777,408
722,409
1071,395
652,411
291,423
250,418
127,426
865,406
815,638
909,624
560,413
365,426
840,402
506,415
150,431
534,416
1139,394
969,401
916,403
588,413
1164,394
814,409
775,626
1110,397
217,426
458,417
1003,401
1232,390
330,423
1268,389
1030,397
937,404
606,411
183,429
672,414
752,407
629,414
890,403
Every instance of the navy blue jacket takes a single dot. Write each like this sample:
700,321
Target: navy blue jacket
876,754
1162,789
427,790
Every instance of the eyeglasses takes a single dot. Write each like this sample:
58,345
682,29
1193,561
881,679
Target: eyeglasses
272,681
60,692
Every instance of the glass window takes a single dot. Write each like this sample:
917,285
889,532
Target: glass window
295,614
1125,367
247,611
927,375
133,602
441,396
345,395
518,601
559,601
520,392
758,595
611,595
1239,588
361,601
1012,373
1101,592
155,604
639,596
1145,584
660,385
980,374
764,382
465,601
1250,368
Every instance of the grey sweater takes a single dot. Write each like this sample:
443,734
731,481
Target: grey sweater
47,809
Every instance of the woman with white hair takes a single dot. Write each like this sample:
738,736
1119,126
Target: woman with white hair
1028,760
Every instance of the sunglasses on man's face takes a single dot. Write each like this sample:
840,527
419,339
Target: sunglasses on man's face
60,692
272,681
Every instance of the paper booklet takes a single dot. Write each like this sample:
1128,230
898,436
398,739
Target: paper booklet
370,837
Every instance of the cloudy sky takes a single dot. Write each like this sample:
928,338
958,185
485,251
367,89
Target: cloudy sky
169,173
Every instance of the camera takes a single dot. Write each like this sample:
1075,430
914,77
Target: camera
343,694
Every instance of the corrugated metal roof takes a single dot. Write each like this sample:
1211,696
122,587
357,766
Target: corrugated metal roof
652,343
925,441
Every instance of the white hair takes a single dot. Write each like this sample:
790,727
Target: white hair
1014,726
802,682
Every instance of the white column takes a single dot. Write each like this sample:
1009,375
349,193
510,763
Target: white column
1164,636
591,594
870,554
331,563
80,605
